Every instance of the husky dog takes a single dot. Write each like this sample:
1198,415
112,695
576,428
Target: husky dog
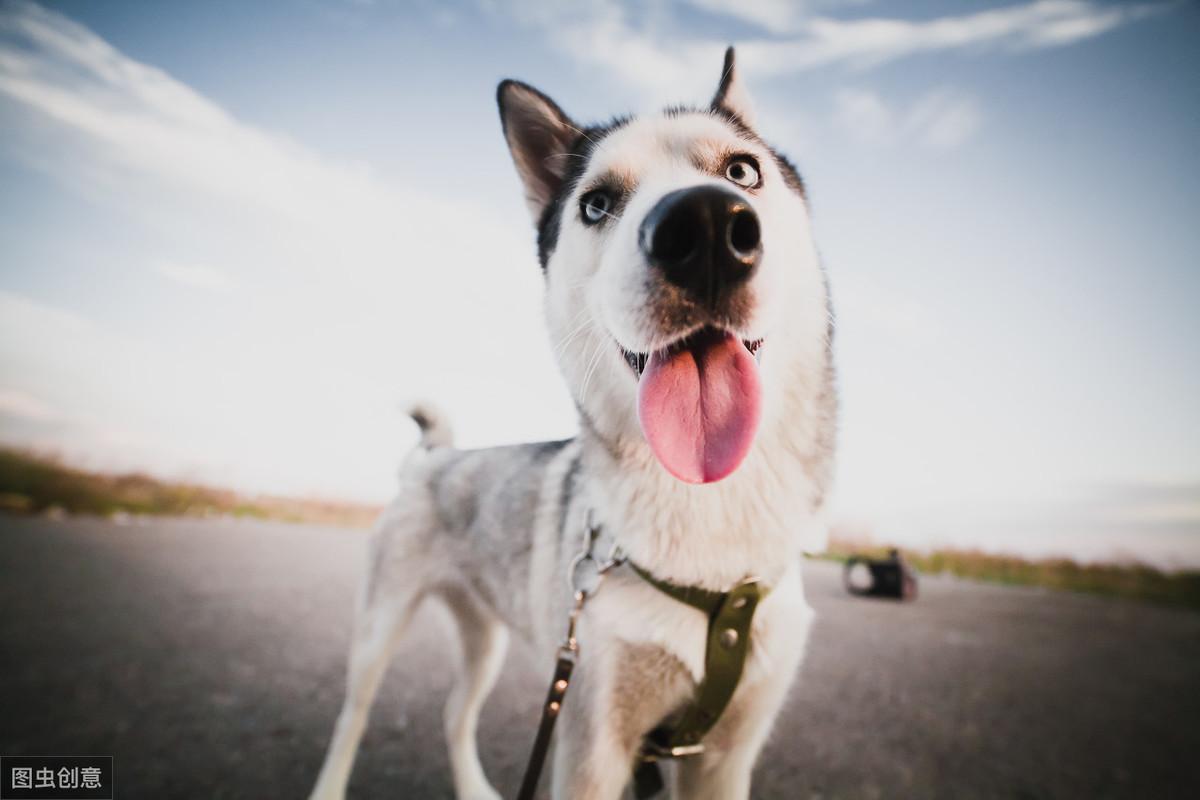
692,324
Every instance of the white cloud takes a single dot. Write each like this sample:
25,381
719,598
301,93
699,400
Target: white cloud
939,119
874,41
16,403
614,39
1071,28
944,118
37,344
375,294
774,16
147,122
199,276
665,63
865,116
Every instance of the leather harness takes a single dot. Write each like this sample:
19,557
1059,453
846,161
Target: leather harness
730,615
727,643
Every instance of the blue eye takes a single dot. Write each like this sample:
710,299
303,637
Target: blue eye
743,171
595,206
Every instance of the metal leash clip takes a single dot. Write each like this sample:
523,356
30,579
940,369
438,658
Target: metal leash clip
586,572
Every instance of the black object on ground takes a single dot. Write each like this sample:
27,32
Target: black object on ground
891,577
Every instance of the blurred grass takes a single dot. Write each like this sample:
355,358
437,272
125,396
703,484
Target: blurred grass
31,483
1131,581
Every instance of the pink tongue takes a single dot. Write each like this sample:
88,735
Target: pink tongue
700,407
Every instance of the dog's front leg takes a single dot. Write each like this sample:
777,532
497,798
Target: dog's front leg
591,758
620,692
723,771
717,775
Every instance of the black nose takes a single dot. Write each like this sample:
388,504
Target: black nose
705,240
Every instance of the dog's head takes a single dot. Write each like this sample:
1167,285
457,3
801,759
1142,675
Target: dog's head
684,295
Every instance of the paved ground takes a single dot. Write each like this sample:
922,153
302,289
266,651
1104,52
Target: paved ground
207,658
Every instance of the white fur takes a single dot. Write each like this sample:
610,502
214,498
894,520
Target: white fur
601,288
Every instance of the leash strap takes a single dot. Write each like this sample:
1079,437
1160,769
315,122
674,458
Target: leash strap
541,744
730,616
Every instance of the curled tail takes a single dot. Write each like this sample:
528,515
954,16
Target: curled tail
435,429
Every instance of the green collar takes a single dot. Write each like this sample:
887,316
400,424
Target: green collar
703,600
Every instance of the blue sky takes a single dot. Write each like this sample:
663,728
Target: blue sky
236,238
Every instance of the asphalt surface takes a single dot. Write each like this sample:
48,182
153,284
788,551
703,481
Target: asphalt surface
207,657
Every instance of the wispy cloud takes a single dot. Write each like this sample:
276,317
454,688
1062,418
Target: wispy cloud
42,411
870,42
774,16
22,405
639,51
146,122
350,329
940,118
199,276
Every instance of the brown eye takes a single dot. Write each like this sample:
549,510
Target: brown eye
743,171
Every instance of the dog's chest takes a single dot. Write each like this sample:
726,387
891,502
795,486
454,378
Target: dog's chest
631,611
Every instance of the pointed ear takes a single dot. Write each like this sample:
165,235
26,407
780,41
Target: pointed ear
539,137
731,94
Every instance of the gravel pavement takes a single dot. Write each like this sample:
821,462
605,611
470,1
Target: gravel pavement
207,657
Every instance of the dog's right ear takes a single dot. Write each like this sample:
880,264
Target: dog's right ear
539,137
731,93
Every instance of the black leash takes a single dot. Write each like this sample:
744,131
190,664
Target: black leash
567,654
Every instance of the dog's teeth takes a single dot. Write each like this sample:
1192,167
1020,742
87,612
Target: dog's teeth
634,360
755,348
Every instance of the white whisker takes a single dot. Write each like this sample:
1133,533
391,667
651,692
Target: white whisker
564,155
583,133
562,345
607,214
594,362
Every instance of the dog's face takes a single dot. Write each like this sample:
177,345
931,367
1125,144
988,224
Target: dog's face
683,289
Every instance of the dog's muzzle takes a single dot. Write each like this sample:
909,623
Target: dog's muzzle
705,240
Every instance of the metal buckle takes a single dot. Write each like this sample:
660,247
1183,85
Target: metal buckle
655,752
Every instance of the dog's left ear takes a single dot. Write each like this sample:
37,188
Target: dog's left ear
539,136
731,94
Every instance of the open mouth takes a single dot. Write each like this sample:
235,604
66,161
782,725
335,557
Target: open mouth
637,361
699,403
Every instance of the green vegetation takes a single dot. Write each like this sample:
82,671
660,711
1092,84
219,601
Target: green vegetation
32,483
1131,581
